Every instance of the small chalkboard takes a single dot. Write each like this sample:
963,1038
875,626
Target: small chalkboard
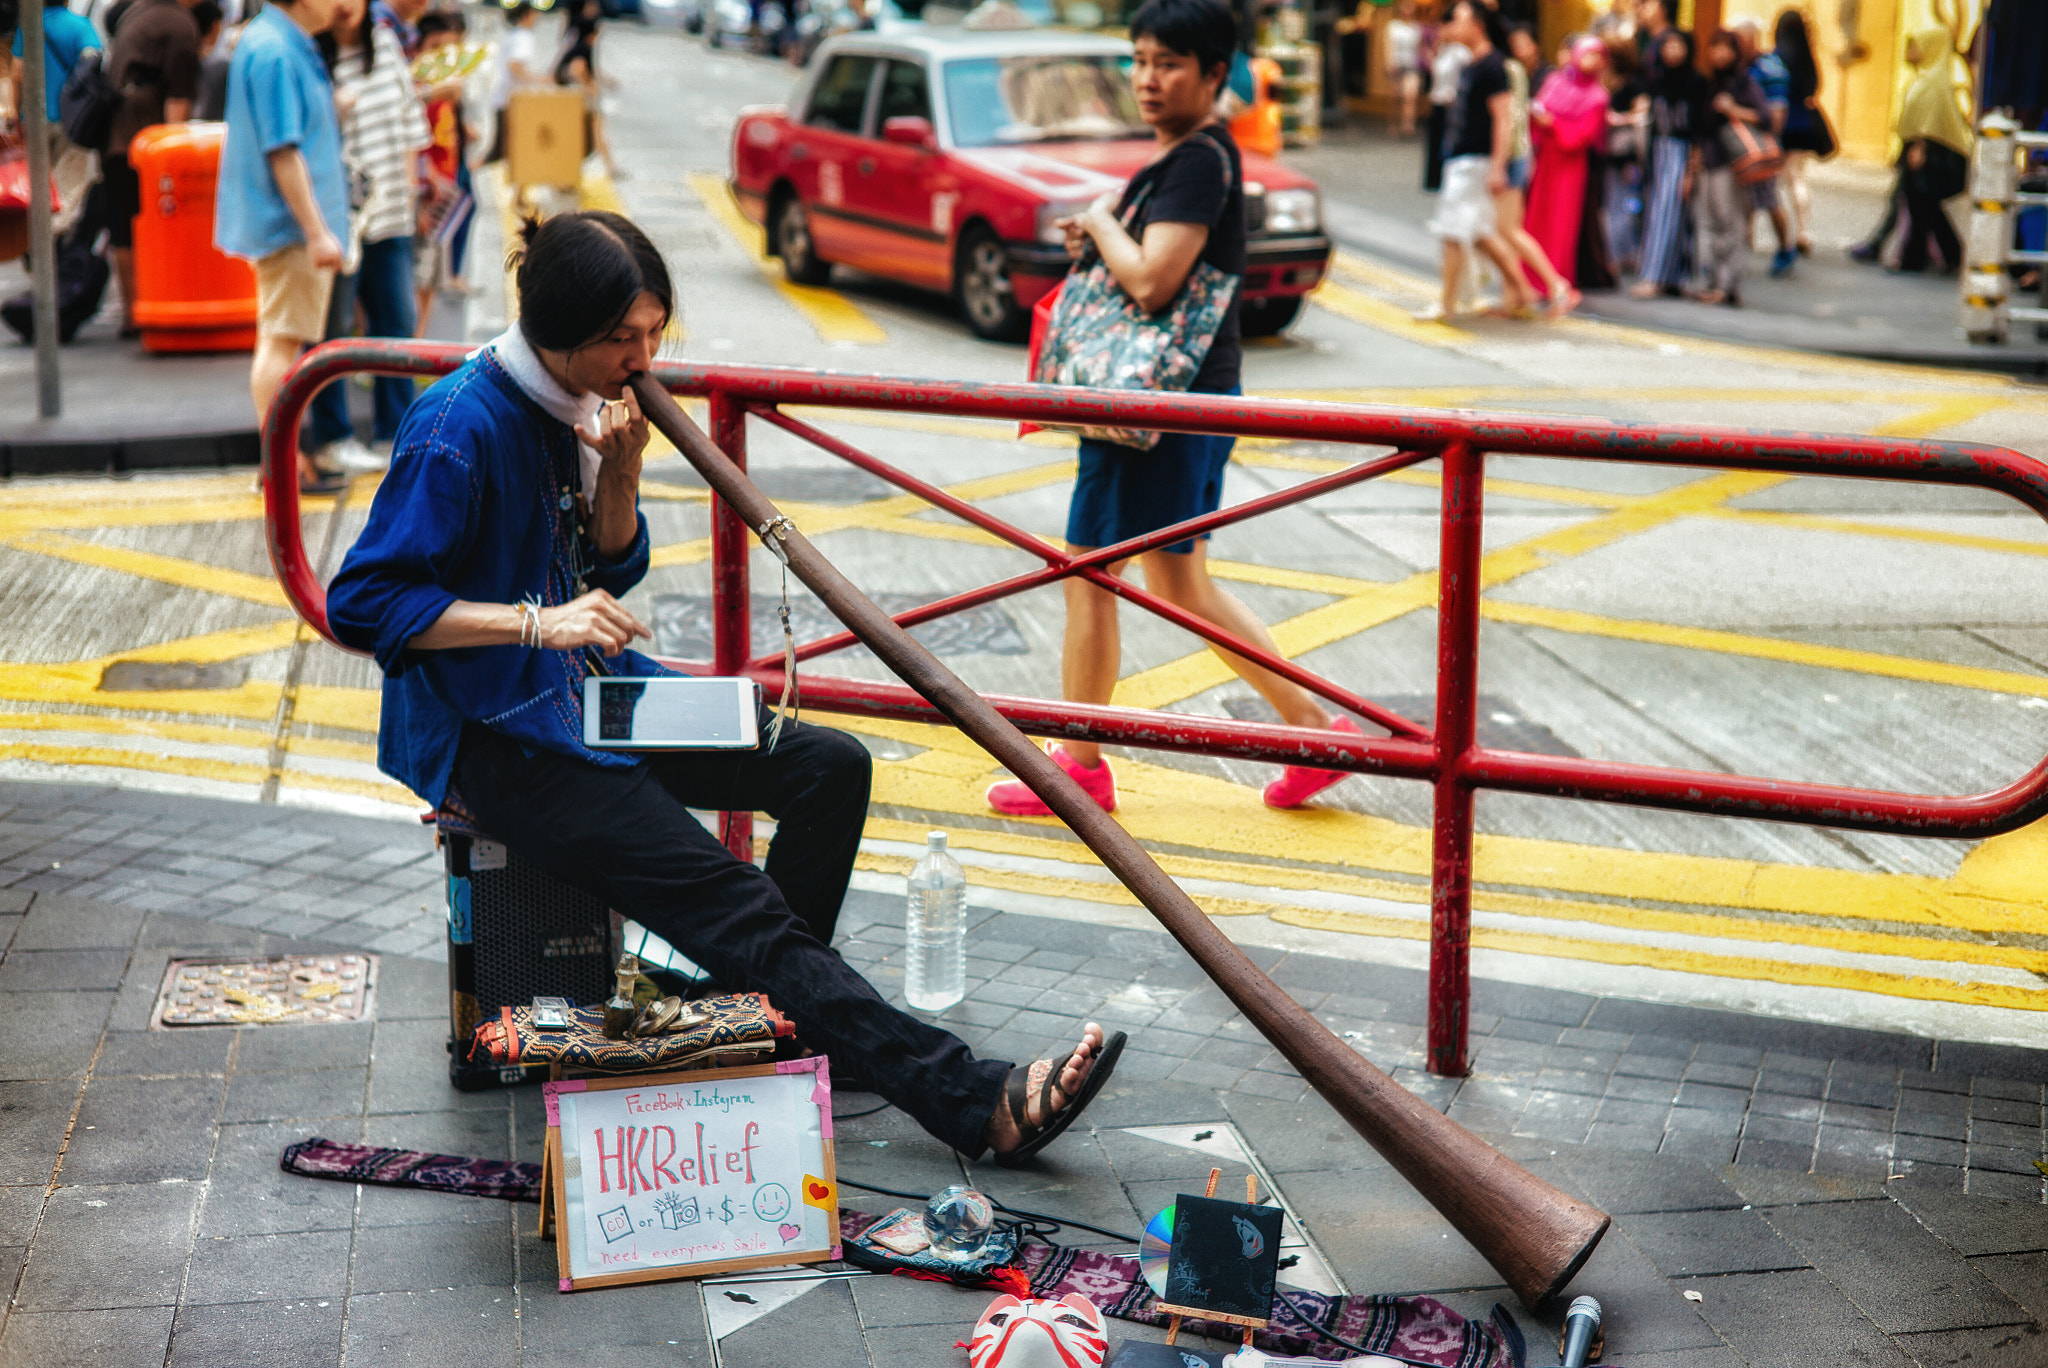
677,1175
1142,1354
1224,1260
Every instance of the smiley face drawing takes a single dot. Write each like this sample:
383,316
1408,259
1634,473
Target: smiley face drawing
771,1201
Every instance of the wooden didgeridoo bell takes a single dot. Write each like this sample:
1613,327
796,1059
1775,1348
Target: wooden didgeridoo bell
1534,1234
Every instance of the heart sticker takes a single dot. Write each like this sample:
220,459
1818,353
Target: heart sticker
789,1232
818,1191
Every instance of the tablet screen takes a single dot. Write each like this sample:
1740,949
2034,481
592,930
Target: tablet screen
679,713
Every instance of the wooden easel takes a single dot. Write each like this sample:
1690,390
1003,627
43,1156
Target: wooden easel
1251,1197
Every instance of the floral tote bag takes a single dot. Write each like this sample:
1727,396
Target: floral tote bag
1100,338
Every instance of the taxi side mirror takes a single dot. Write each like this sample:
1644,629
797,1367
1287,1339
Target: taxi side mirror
907,130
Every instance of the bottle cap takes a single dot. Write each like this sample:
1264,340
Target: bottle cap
935,840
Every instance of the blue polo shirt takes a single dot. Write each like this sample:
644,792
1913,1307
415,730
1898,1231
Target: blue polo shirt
65,35
278,96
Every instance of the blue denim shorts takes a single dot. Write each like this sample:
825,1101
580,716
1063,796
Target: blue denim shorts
1122,492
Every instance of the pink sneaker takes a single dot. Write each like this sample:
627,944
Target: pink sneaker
1014,798
1300,783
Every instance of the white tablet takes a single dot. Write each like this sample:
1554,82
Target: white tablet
670,712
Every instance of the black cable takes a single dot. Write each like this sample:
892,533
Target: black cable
1029,1216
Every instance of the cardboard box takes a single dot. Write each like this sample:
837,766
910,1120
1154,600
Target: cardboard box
544,142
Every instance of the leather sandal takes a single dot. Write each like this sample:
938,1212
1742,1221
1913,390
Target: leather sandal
1016,1093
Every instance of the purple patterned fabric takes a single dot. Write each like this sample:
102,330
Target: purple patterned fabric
1421,1329
319,1158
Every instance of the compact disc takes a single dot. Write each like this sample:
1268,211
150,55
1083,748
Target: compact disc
1154,1249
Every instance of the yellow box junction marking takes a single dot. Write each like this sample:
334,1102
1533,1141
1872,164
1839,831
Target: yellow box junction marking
835,318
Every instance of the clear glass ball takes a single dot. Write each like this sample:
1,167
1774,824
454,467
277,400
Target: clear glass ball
957,1221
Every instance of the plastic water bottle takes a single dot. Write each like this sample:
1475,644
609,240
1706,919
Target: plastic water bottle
935,930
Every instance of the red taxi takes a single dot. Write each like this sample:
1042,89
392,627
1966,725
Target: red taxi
942,158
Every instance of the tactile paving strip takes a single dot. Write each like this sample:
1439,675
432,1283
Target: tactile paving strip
279,990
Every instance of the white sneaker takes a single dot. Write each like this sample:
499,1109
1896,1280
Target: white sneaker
350,454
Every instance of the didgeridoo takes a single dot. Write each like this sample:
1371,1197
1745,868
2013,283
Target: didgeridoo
1536,1235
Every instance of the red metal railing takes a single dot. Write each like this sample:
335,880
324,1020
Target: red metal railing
1447,755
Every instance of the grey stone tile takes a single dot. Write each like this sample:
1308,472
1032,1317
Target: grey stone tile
1614,1135
2005,1087
249,1195
50,1035
104,1247
649,1321
1905,1280
307,1266
294,1096
1777,1187
1929,1150
2005,1134
2009,1346
299,1333
1941,1125
887,1303
1753,1153
2023,1277
1805,1109
1780,1131
2010,1186
143,1130
1980,1225
1997,1159
1628,1184
1634,1065
826,1334
61,970
128,1337
1791,1082
55,922
19,1207
1712,1096
1691,1244
1707,1147
192,1052
1793,1318
33,1117
411,1070
401,1258
2018,1111
1862,1092
1702,1121
437,1326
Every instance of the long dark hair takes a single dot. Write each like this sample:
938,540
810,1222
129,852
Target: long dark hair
1673,84
579,273
366,39
1795,49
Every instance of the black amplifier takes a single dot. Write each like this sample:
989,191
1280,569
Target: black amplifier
514,934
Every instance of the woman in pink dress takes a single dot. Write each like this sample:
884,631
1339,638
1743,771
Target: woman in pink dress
1566,119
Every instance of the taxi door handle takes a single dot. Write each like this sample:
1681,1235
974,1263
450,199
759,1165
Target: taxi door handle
866,166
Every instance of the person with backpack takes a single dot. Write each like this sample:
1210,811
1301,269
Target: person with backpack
154,65
66,38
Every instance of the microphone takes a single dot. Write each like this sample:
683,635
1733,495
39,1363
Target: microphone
1579,1325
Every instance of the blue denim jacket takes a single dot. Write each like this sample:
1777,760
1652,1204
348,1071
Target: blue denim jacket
473,509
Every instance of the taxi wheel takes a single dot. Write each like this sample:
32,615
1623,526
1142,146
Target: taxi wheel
793,244
981,278
1268,316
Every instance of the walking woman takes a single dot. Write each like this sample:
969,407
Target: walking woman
1185,207
383,128
1676,95
1806,134
1935,143
1626,155
578,68
1567,120
1721,204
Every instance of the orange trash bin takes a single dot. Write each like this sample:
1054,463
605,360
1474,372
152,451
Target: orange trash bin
189,295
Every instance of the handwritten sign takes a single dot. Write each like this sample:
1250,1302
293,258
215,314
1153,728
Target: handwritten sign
683,1174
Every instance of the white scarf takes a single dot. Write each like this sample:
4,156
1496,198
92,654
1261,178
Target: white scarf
523,364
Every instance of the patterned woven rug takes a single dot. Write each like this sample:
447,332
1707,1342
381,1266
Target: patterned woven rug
1420,1329
319,1158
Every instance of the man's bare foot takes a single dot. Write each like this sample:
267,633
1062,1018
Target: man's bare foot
1003,1133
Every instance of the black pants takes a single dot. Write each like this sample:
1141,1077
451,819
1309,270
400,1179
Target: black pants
1927,220
627,836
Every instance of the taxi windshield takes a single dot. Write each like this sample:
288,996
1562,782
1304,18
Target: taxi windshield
999,101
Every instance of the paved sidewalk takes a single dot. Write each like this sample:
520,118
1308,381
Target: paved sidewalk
1833,1196
1374,203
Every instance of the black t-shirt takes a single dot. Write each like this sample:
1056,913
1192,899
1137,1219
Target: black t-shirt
1471,131
1193,184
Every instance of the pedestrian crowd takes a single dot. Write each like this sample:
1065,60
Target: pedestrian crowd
1627,159
344,174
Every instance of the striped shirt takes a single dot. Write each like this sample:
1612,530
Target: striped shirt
382,134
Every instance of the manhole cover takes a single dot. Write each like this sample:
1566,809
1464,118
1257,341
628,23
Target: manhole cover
281,990
159,675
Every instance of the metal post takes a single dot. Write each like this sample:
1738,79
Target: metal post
1457,710
732,638
35,123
